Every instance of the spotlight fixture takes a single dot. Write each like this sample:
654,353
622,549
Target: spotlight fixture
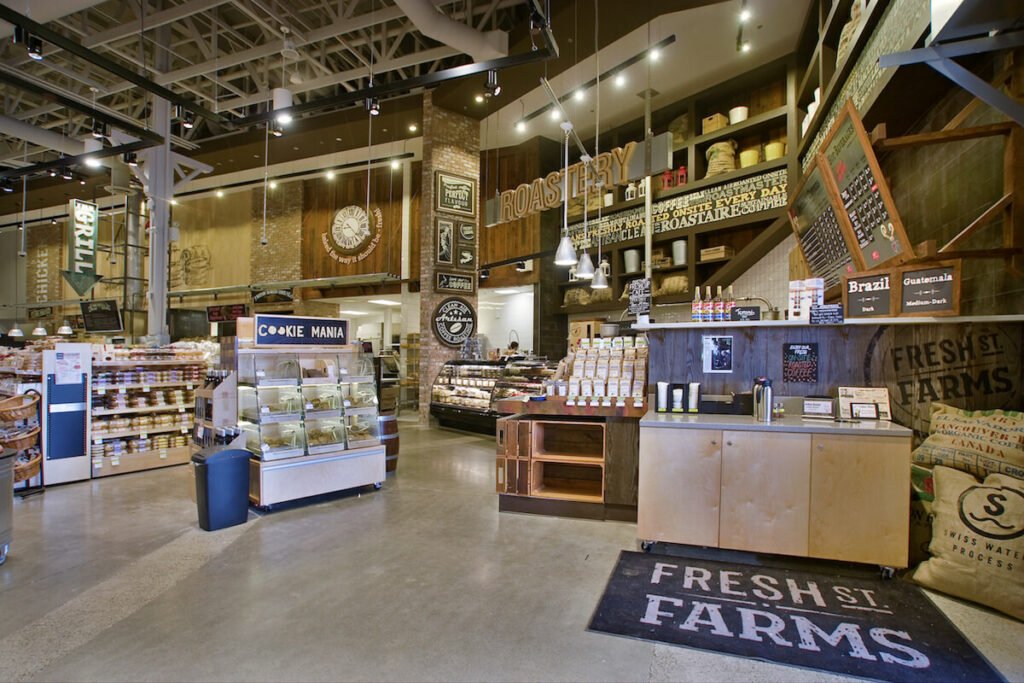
99,129
65,330
273,184
6,185
53,172
413,128
282,101
220,193
485,273
91,148
479,99
330,175
395,164
81,180
130,158
745,46
578,95
20,36
555,114
188,119
173,202
655,54
66,173
491,87
373,106
620,80
745,13
520,266
275,129
35,48
520,126
53,221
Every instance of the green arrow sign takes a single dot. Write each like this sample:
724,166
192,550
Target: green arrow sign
83,229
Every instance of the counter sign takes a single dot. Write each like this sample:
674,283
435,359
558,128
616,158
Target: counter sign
293,330
454,321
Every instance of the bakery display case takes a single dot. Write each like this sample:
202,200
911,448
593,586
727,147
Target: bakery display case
321,400
464,392
523,378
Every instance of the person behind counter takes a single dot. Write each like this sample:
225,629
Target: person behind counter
513,352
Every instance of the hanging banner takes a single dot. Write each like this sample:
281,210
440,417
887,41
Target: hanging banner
83,230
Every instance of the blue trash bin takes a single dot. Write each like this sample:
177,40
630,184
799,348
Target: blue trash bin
222,488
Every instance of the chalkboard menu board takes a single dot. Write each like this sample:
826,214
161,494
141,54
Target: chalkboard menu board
867,296
102,316
933,290
640,297
226,313
865,200
817,229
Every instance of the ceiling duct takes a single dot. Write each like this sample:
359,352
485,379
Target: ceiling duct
20,130
120,179
432,23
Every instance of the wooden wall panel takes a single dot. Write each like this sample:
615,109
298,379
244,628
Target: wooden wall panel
322,198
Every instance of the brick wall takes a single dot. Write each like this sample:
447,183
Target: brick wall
281,257
451,142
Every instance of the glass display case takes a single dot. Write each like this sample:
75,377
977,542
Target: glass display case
275,440
466,385
523,378
268,370
321,400
325,435
361,430
359,396
266,404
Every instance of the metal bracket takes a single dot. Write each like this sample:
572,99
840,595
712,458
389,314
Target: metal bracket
939,57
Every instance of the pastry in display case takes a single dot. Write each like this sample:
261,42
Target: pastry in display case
361,430
325,435
275,440
524,378
321,400
319,369
267,404
359,397
269,370
466,385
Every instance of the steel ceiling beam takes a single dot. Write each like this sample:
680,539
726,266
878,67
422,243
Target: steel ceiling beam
105,153
54,38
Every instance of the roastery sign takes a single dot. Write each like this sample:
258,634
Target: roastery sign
295,330
764,192
454,321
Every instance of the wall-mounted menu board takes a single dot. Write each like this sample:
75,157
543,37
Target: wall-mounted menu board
817,228
864,196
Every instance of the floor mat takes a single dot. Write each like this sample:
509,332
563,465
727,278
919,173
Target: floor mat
884,630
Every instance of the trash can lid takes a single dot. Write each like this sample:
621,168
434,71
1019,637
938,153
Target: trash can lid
221,456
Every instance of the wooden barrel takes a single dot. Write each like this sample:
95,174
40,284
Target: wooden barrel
389,437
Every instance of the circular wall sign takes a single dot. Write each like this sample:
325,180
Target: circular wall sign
350,228
454,321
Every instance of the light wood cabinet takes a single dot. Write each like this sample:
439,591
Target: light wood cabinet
680,485
831,496
765,492
860,502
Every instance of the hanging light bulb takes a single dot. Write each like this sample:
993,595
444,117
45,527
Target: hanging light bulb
65,330
585,267
565,255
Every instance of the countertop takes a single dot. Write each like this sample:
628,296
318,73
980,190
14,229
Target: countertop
746,423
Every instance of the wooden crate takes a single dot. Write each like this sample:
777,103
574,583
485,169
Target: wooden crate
575,441
567,481
710,124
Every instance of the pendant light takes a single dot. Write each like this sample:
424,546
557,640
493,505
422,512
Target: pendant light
585,267
65,330
39,331
15,331
600,280
565,255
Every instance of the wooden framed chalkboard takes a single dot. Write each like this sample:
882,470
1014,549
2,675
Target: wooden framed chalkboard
930,290
865,206
101,316
869,296
826,248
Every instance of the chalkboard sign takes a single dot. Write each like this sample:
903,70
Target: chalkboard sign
640,297
800,363
827,314
867,209
818,230
934,290
101,316
226,313
868,296
745,313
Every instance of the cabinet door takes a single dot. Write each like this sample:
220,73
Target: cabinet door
860,499
680,478
765,492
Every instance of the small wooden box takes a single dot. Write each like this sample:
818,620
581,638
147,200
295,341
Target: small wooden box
712,253
710,124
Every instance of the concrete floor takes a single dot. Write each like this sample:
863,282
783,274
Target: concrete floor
424,580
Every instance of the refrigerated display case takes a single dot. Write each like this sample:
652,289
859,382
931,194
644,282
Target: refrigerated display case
464,391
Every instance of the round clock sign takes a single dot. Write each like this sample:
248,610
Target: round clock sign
454,321
351,237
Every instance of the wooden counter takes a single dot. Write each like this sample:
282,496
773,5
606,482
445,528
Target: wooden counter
838,491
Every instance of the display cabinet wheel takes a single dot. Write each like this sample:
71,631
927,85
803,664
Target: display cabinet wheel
646,546
886,572
378,485
3,553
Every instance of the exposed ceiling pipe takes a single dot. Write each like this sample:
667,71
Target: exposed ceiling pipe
40,136
481,46
45,12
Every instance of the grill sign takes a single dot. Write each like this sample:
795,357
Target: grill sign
293,330
454,321
82,232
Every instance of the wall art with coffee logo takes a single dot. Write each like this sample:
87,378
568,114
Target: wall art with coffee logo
454,321
454,194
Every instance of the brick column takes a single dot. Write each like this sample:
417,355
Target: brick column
451,142
281,257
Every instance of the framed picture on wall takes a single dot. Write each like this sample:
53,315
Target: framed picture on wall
466,257
467,231
445,241
459,283
455,194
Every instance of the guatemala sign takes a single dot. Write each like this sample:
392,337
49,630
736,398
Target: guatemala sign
293,330
83,229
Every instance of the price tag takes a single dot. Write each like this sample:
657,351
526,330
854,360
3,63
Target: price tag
189,387
115,461
145,387
97,463
264,447
181,409
620,403
184,430
163,453
348,403
261,373
309,406
144,435
101,390
606,402
265,410
571,401
98,441
638,403
122,390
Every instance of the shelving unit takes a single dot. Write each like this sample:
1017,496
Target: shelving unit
409,379
157,433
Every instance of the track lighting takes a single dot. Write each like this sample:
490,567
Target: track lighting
555,114
485,273
219,193
81,180
273,184
6,185
520,266
130,158
373,106
66,173
491,87
99,129
91,148
655,54
413,128
395,164
52,172
275,129
578,95
35,48
330,175
520,126
620,80
188,119
53,221
282,101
